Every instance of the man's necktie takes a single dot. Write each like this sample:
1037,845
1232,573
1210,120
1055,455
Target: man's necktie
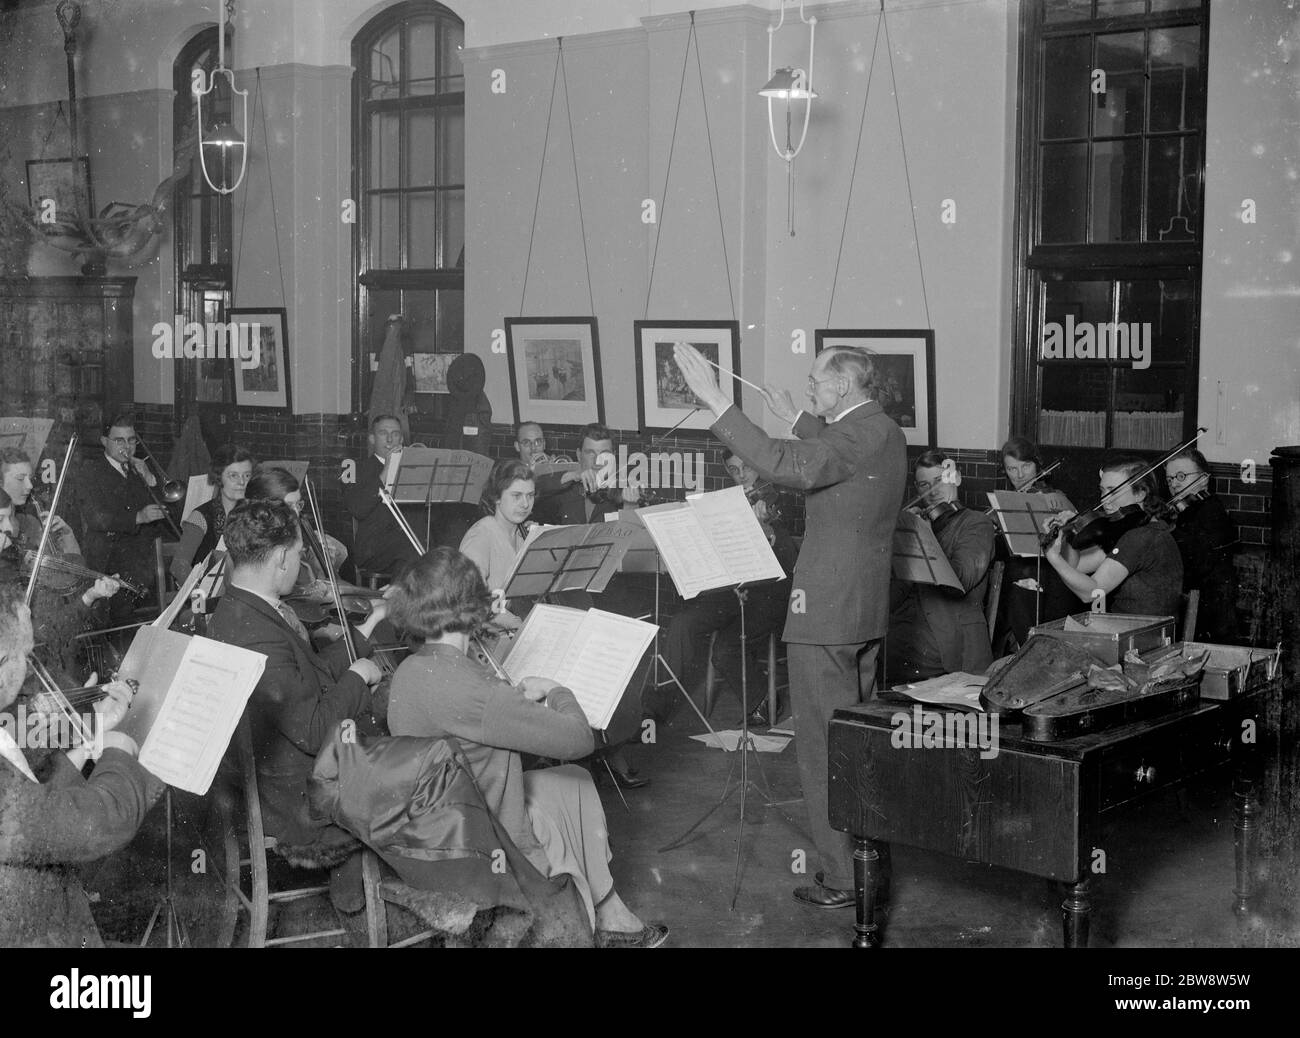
291,618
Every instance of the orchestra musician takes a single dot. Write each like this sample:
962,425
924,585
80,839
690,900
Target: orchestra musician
231,469
936,630
685,645
1206,536
850,460
495,541
578,497
302,693
118,512
277,484
553,814
1032,593
52,819
530,443
379,543
1136,564
16,480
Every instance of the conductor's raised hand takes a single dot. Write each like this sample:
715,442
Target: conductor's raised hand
699,376
780,403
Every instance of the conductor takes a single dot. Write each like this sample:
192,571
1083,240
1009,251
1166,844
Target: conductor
851,461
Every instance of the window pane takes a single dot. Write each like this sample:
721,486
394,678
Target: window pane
453,72
451,146
1062,216
422,229
1116,190
421,148
1082,301
1116,8
384,168
1067,10
1173,183
1161,6
386,66
422,51
1177,102
451,321
1067,78
453,228
384,243
1149,408
1074,402
1119,109
420,310
1169,307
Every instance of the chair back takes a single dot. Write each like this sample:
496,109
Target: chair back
1190,609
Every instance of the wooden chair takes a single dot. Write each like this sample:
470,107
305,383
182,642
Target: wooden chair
382,891
773,683
245,852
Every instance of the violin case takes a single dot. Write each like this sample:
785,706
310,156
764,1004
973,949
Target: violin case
1230,670
1110,636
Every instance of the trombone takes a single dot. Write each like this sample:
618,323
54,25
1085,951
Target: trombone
164,491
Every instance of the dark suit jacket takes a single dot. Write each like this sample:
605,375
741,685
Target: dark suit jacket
379,543
952,620
107,504
301,696
49,827
852,472
567,505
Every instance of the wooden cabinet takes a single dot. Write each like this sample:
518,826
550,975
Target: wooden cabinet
65,350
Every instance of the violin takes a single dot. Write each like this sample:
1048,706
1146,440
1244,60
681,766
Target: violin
1181,501
61,576
55,700
767,492
930,512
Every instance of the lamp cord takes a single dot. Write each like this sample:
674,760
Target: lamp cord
672,146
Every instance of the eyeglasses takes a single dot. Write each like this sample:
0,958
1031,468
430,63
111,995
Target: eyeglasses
1182,477
813,383
533,443
124,441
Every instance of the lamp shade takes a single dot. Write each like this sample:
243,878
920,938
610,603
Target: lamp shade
224,135
788,84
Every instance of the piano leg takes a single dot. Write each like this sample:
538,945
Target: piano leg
1075,912
866,874
1245,838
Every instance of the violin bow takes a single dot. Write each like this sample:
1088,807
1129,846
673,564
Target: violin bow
49,521
330,575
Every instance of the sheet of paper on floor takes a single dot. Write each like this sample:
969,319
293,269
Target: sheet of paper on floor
957,689
730,739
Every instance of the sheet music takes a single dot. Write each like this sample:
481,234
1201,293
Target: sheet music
918,556
693,562
565,558
729,520
182,599
204,702
1021,517
591,652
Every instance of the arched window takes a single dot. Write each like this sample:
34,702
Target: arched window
408,162
201,226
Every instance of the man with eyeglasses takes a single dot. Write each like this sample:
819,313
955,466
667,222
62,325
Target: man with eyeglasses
118,513
530,443
850,460
378,543
937,630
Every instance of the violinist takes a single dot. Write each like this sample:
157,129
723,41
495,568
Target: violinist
495,541
53,820
378,543
231,469
1206,536
578,497
1032,592
1136,563
16,474
118,512
276,484
937,630
685,644
302,694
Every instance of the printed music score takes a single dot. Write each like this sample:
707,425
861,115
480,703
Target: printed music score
589,651
711,541
1023,518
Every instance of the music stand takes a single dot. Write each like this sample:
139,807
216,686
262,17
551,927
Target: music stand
177,936
744,747
1022,520
432,475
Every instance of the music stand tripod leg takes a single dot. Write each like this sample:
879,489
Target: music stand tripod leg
177,937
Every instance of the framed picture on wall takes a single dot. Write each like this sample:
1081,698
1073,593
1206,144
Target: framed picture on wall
904,362
60,181
265,383
555,370
663,399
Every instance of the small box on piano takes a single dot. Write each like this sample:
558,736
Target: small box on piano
1109,636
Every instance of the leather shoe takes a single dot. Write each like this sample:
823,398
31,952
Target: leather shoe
649,936
824,897
628,780
882,886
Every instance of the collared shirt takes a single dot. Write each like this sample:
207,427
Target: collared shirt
117,465
9,751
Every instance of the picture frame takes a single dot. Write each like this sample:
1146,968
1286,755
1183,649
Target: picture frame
904,360
265,387
555,370
430,371
663,401
60,180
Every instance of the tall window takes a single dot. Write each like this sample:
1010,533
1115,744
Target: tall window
1111,162
409,176
201,225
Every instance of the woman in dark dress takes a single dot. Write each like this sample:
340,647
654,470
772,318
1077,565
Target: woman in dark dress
1206,537
1032,592
232,468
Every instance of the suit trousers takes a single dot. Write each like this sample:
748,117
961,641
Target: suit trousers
823,679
